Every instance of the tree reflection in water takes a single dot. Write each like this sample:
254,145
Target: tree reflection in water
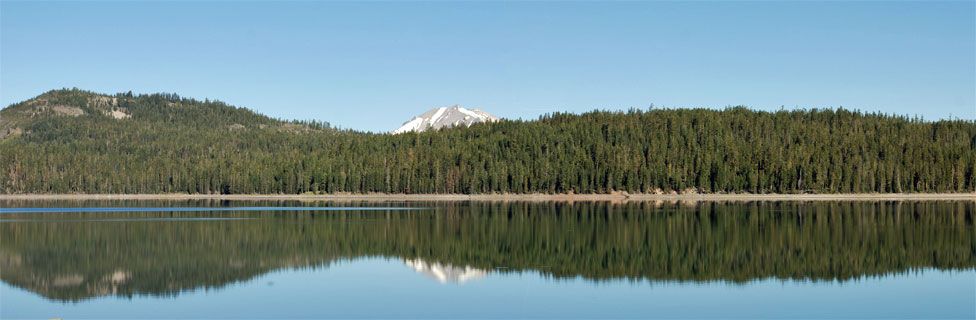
66,257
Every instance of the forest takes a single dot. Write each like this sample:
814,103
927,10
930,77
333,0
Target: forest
76,141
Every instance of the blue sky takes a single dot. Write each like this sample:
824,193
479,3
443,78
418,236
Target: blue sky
372,66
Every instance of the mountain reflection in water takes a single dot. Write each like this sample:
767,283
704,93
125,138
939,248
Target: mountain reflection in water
61,256
444,272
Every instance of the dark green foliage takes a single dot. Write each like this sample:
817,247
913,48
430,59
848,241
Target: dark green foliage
710,241
178,145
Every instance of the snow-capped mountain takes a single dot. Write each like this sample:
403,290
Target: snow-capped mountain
445,117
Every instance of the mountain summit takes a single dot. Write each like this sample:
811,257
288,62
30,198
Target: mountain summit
445,117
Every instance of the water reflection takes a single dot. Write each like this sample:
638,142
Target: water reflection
445,272
458,242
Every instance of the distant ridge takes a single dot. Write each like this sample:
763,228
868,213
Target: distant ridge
445,117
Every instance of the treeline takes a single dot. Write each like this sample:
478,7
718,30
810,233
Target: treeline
173,144
709,241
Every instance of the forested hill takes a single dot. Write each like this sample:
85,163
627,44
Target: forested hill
73,141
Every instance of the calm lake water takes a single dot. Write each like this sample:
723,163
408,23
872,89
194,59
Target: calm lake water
253,259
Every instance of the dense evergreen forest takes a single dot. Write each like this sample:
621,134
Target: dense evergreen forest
71,256
74,141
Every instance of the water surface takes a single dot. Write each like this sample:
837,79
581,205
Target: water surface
240,259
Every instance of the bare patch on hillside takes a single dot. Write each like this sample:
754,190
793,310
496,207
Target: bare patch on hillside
10,132
103,101
7,129
118,113
106,105
68,110
294,128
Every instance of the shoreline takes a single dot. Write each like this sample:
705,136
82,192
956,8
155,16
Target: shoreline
508,197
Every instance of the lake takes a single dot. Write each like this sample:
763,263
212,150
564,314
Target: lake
291,259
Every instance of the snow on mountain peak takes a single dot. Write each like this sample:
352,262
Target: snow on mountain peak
445,117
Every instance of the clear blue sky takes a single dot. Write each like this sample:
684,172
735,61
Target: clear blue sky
372,66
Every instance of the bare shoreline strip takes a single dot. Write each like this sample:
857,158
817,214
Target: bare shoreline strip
507,197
